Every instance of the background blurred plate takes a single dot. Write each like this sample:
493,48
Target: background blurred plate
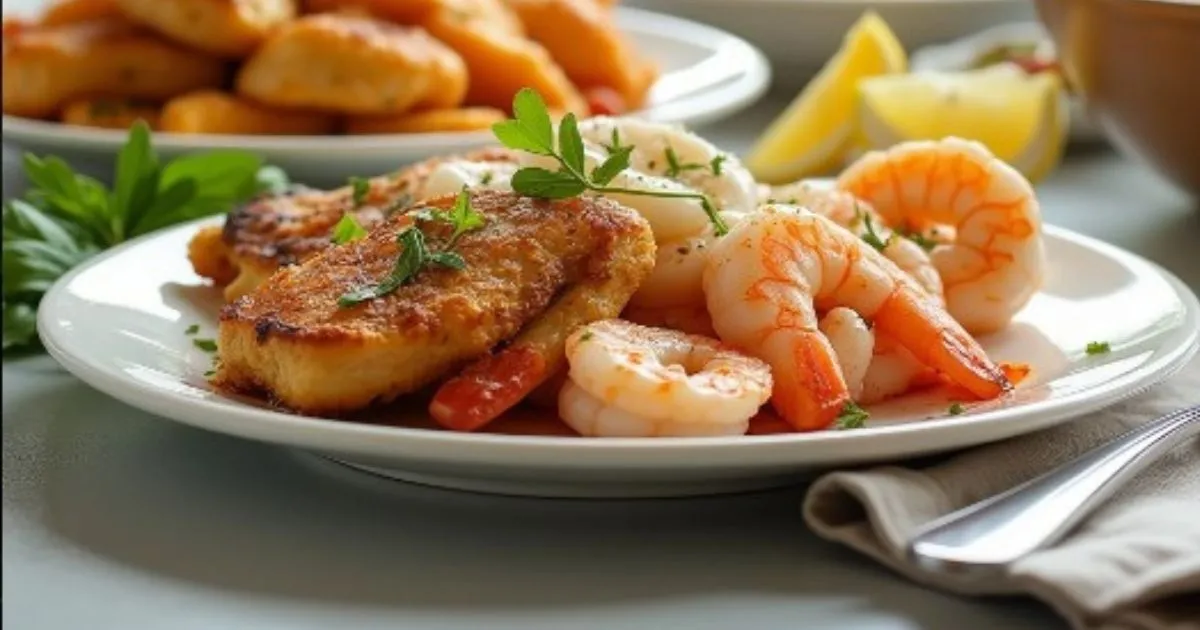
708,74
798,36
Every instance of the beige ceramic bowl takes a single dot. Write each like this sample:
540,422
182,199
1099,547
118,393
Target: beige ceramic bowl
1137,65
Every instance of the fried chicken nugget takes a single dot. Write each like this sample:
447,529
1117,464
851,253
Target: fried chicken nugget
110,113
228,28
583,38
353,65
71,11
212,111
47,67
428,121
535,262
498,63
494,12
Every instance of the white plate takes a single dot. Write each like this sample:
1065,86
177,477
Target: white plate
799,36
707,74
118,322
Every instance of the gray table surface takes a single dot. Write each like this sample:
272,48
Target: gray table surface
117,519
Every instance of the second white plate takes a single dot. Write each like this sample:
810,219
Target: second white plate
118,322
707,74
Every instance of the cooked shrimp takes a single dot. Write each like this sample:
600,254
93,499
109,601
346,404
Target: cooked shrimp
892,371
666,158
693,320
861,218
630,380
766,280
853,343
679,270
997,260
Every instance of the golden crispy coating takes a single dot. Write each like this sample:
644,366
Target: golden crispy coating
291,339
45,68
494,12
71,11
583,38
265,234
428,121
228,28
212,111
499,63
110,113
353,65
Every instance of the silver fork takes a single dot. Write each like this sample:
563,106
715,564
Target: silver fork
983,538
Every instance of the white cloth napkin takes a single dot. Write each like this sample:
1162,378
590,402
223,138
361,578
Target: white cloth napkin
1133,564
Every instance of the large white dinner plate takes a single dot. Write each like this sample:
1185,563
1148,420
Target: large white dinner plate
118,322
707,74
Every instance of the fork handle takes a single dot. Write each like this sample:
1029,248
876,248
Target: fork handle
983,538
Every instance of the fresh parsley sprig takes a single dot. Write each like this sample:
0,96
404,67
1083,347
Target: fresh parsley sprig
415,254
66,218
347,229
851,417
530,130
871,237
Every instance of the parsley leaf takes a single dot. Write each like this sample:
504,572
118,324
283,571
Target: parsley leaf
531,131
851,417
360,188
1098,347
462,217
871,237
674,166
193,329
920,239
956,409
347,229
716,163
66,218
207,345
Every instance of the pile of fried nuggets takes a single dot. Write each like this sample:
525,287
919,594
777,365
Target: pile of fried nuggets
279,67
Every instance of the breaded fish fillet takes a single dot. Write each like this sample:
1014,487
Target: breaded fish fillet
291,339
265,234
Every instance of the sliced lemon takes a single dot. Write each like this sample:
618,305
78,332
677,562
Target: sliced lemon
1022,118
813,133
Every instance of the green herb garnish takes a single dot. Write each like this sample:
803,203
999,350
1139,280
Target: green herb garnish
207,345
616,142
66,218
191,330
360,188
530,130
871,237
1098,347
920,239
716,163
347,229
675,167
415,254
851,417
956,409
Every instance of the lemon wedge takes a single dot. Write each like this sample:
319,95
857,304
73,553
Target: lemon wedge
813,133
1022,118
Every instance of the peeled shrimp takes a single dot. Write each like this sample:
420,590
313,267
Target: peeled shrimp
996,261
677,279
853,343
853,214
693,320
766,280
629,380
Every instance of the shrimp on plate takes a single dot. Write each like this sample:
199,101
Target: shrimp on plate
768,278
996,261
627,380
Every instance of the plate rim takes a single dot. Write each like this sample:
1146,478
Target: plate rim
325,434
754,81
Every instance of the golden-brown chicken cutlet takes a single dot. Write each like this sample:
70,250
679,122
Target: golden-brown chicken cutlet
353,65
45,68
583,38
293,340
228,28
273,231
